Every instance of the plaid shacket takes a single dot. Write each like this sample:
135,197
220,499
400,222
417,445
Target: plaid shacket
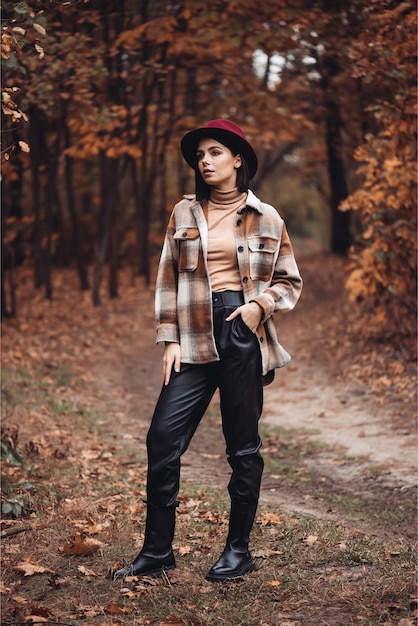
267,267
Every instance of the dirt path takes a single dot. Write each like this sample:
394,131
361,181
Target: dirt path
361,436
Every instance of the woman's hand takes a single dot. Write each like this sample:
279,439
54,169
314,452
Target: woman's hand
171,358
251,314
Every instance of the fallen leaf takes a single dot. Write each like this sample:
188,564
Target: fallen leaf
275,583
86,571
87,611
30,567
128,593
114,608
265,553
19,599
310,540
59,582
39,615
81,546
269,518
39,28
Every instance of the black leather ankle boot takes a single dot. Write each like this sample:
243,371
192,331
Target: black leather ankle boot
236,559
156,554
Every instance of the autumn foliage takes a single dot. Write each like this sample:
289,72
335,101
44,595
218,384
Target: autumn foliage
96,96
382,268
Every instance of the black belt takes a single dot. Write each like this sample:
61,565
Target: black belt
227,298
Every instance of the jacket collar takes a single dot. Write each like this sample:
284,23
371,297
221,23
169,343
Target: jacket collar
253,202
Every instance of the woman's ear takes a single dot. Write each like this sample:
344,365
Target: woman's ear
238,161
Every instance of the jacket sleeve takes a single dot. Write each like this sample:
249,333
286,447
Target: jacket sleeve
286,284
166,289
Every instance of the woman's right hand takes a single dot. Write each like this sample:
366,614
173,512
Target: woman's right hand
171,358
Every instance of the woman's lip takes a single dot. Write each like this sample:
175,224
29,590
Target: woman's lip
207,171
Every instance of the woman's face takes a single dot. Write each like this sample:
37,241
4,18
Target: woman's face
217,165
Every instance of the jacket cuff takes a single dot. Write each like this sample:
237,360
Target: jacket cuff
167,332
266,302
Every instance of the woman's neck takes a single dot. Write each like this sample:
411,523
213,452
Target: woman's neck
219,196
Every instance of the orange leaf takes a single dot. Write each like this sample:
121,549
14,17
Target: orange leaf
82,546
113,607
268,519
86,571
30,567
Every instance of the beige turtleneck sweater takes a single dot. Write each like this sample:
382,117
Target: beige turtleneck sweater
222,254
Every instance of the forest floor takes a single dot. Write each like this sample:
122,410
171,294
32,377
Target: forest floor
338,427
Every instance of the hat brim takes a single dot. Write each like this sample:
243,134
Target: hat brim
190,142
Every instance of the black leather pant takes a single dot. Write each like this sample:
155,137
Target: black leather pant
183,402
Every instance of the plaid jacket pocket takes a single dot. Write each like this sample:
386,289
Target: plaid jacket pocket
262,256
188,241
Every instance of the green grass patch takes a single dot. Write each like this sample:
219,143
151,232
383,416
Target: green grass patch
374,508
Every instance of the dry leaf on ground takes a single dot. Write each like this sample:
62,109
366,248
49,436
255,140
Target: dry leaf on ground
81,546
86,571
310,540
114,608
30,567
267,519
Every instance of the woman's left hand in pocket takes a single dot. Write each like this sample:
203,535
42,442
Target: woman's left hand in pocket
251,314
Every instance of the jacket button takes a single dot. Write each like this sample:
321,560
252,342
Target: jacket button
240,249
239,222
184,234
261,339
245,279
261,246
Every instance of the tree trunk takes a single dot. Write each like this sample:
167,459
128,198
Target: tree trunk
340,221
7,268
48,250
76,236
34,128
12,252
113,253
63,251
109,192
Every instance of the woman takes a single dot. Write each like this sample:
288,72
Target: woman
226,265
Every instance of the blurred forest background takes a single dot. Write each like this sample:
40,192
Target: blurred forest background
96,95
